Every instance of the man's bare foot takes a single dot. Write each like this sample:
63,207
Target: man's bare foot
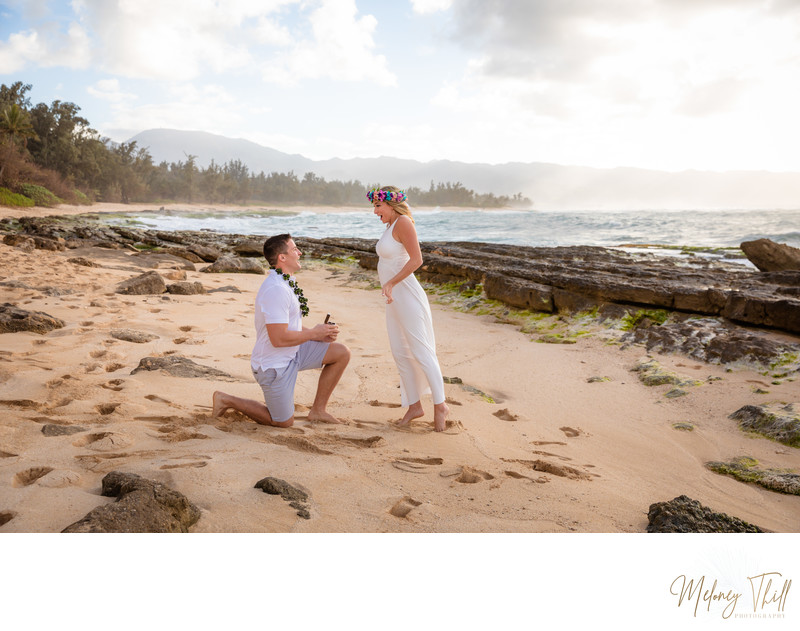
219,406
414,411
322,416
440,414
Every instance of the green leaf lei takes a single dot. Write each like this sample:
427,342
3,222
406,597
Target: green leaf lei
297,291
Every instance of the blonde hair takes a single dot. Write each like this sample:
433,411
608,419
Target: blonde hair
402,208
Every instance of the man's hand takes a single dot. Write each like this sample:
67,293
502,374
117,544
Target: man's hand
325,332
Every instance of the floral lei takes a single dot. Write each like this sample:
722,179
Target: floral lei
377,194
297,291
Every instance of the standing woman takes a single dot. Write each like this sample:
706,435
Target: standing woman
408,314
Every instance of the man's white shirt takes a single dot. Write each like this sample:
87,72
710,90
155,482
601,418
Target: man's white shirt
276,303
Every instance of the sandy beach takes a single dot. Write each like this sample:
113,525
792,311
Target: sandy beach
552,438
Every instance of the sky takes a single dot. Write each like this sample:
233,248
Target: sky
656,84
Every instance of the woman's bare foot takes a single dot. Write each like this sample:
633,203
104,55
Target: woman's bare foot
440,414
219,405
322,416
414,411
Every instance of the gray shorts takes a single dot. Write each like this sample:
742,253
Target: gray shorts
278,384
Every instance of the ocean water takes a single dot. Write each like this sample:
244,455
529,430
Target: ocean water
691,228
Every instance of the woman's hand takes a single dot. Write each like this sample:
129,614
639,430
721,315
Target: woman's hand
386,291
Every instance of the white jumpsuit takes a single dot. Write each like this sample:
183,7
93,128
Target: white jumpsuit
410,326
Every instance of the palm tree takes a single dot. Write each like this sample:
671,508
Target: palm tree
15,130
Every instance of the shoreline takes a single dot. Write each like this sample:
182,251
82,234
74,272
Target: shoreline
111,208
561,438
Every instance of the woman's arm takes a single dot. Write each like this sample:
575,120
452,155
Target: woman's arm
406,234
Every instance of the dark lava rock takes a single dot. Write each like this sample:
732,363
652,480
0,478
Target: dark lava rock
687,515
769,256
296,497
180,367
13,320
144,284
142,506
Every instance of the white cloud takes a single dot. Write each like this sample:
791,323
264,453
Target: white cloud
109,90
208,108
430,6
45,47
341,48
665,84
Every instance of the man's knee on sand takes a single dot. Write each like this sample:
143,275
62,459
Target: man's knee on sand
337,352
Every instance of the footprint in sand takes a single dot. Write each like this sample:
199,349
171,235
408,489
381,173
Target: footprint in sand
196,465
6,516
115,384
29,476
105,409
404,507
467,475
380,404
102,441
7,454
60,479
571,432
562,471
157,399
505,415
416,465
518,476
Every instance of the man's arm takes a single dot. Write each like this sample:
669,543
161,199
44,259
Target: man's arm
281,336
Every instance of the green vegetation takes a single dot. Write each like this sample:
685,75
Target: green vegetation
7,198
632,320
52,146
40,195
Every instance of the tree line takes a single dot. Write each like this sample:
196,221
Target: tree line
49,153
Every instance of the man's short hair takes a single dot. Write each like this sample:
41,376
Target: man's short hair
274,246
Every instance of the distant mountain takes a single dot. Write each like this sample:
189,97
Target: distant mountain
550,186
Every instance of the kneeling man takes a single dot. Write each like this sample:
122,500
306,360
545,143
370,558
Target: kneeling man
284,346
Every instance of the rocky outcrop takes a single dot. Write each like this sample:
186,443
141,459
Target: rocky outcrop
580,278
142,506
747,470
14,319
684,514
544,279
710,340
769,256
781,424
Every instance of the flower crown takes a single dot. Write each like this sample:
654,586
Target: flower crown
377,194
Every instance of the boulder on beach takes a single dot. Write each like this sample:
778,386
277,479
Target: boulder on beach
14,319
769,256
144,284
234,265
142,506
684,514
